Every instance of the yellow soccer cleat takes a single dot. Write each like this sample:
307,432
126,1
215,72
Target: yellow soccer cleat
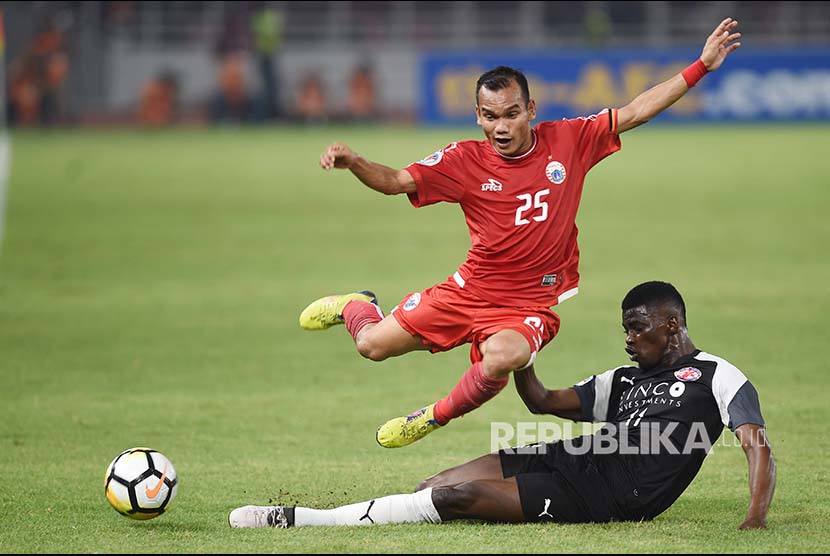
403,431
328,311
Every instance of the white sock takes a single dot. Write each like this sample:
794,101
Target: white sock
399,508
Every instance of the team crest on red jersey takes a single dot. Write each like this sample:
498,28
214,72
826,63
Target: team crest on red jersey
688,374
412,302
432,159
436,157
555,171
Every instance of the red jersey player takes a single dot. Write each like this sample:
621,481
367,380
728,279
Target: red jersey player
519,190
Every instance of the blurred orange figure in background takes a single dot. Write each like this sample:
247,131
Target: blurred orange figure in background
361,100
311,99
37,78
159,101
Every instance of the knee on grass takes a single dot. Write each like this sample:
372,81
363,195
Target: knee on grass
453,502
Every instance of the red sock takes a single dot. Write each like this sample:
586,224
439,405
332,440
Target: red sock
472,390
358,314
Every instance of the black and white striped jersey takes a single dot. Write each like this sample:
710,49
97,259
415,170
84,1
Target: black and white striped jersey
664,422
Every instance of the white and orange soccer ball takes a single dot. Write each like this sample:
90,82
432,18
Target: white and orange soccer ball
141,483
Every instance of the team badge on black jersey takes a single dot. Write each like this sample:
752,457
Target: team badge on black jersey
585,381
688,374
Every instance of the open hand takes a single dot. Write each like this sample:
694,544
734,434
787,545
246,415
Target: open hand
720,44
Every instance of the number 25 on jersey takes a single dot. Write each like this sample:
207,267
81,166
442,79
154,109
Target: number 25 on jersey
532,203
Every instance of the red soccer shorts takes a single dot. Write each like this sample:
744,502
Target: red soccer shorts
446,316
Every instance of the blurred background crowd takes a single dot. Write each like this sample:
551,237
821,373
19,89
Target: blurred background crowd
166,62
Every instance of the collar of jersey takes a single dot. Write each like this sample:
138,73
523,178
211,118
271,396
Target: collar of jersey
521,156
684,361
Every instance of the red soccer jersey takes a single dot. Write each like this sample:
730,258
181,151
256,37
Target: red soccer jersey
521,211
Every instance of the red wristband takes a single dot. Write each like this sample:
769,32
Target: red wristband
694,72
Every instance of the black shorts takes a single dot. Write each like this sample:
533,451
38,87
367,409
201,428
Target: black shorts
560,487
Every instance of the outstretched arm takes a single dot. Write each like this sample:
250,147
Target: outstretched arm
540,400
761,474
650,103
376,176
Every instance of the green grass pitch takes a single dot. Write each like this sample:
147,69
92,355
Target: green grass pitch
150,285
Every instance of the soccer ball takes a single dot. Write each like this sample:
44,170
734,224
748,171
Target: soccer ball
140,483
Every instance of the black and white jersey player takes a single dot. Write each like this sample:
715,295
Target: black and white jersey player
661,417
663,422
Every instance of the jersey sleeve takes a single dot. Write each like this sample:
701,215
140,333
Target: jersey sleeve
745,408
595,394
596,136
736,397
438,177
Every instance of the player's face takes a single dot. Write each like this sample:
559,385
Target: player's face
505,118
647,336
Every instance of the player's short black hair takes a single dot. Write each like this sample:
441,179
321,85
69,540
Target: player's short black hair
652,294
500,78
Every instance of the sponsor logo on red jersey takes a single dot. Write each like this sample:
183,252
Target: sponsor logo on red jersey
491,185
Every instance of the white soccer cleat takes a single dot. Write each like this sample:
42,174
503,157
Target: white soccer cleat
246,517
